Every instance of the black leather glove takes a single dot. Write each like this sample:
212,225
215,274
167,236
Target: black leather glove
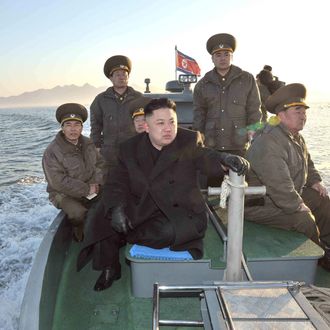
236,163
119,221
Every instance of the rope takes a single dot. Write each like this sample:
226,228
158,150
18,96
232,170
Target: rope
320,300
225,192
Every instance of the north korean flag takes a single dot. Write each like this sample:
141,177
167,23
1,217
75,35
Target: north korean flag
187,64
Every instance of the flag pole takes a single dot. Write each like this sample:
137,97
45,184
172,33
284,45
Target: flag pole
175,73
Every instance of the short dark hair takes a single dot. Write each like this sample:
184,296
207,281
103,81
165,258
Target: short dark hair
160,103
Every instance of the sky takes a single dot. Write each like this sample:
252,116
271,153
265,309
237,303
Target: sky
62,42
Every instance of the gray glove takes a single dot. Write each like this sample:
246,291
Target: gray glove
236,163
119,221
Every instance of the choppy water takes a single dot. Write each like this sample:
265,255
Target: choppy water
25,213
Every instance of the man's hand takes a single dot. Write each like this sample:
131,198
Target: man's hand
318,186
119,221
236,163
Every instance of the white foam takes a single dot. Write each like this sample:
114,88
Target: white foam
25,215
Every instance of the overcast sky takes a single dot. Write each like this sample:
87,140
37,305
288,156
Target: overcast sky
62,42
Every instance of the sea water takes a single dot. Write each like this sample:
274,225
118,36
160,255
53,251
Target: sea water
25,213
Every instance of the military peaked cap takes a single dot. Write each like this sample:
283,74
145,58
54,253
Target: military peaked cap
71,111
221,41
138,105
138,112
285,97
117,62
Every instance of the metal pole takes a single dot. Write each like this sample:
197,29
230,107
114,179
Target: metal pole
215,191
233,270
175,56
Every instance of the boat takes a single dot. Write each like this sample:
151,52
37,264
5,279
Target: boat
251,276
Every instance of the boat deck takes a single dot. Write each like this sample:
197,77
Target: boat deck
78,306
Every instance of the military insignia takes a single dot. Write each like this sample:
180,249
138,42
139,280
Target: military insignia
122,66
72,115
221,46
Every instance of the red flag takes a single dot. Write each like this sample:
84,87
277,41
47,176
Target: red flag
187,64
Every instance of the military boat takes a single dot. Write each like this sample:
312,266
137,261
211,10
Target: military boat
251,276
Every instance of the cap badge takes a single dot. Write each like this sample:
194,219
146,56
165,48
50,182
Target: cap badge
72,115
122,66
221,46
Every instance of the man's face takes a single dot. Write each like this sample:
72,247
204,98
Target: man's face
72,130
119,78
294,118
222,60
162,127
139,124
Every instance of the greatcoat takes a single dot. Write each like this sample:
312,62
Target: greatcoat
282,163
111,121
225,110
69,168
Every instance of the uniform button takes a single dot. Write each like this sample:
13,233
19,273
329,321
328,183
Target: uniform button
222,147
223,79
175,205
222,129
222,110
171,181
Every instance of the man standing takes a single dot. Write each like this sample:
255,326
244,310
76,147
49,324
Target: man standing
295,199
111,111
73,167
226,100
153,196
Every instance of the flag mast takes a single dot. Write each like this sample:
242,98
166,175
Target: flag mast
175,55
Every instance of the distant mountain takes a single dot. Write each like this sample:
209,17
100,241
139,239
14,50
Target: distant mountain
53,97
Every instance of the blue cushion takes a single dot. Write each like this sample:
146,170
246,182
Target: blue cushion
145,252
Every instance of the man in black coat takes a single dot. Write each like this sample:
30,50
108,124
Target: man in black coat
153,197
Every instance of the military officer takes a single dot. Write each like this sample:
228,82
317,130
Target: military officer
111,110
73,167
139,120
296,198
226,100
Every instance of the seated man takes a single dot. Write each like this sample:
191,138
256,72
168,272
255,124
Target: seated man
153,197
295,199
139,120
74,169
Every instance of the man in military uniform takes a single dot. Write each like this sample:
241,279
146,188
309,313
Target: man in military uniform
226,100
295,199
111,111
73,167
154,197
139,120
267,85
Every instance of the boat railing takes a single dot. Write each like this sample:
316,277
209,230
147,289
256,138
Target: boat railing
261,305
235,188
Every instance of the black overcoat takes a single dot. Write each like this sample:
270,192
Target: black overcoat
171,185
